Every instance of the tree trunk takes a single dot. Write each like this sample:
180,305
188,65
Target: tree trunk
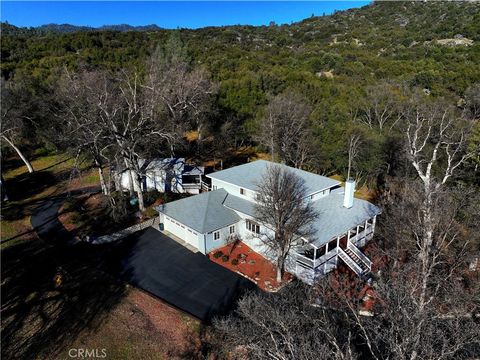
102,181
24,159
280,270
131,188
138,189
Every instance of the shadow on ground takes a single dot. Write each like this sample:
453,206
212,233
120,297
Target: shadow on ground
39,317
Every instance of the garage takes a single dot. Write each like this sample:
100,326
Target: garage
181,231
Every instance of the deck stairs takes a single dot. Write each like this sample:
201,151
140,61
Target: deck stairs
355,260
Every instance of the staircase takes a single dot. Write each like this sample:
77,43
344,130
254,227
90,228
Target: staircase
353,261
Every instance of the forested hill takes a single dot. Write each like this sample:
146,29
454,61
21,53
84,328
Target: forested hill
330,60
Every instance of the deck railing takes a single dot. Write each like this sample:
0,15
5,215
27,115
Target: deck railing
360,255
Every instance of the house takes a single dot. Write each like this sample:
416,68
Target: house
345,223
166,175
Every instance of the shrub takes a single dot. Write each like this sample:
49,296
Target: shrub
217,254
234,262
150,213
225,258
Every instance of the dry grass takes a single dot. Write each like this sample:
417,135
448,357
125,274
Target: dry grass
363,192
52,177
142,327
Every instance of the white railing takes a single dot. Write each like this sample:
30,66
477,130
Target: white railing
350,262
305,260
362,234
360,255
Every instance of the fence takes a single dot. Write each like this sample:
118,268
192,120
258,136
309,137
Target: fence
125,232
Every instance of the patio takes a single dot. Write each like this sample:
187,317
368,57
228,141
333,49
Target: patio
240,258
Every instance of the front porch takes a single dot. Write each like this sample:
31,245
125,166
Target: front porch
314,262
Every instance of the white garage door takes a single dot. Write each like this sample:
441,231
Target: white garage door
181,231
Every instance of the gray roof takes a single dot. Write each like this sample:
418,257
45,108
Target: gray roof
335,219
241,205
203,213
248,175
163,164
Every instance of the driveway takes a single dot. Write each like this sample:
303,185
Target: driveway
189,281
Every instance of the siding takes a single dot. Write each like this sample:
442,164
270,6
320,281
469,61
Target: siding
233,189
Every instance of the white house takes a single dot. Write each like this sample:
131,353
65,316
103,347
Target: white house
344,225
166,175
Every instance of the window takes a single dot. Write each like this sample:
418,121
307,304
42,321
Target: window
231,230
242,191
214,187
216,235
252,226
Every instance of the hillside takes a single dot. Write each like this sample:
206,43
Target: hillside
331,60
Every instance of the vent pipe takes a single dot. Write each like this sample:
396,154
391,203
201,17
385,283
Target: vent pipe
349,191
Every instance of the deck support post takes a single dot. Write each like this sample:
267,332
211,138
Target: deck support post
338,244
325,265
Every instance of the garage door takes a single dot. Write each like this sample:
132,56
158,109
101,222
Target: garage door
181,231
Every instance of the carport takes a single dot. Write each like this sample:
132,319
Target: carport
189,281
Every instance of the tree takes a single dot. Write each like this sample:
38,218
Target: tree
15,112
79,96
184,92
380,108
284,325
282,211
285,129
354,143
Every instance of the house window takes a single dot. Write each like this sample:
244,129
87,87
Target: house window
242,191
214,187
216,235
232,229
252,226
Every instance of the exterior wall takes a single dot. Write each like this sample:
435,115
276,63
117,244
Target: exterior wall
208,243
233,189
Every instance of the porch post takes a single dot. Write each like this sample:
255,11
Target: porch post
348,238
338,244
373,224
325,265
314,256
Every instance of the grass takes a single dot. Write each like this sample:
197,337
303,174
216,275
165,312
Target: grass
363,192
91,309
51,177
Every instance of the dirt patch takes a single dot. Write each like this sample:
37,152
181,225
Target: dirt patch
242,259
143,327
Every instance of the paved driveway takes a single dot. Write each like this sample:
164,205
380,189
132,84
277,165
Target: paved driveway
157,264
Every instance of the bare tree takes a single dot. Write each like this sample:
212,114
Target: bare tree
380,108
436,140
285,129
185,93
284,326
79,96
283,212
354,144
14,111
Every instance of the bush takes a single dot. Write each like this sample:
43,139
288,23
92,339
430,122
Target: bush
150,213
225,258
217,254
234,262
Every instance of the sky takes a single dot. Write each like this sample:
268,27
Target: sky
166,14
